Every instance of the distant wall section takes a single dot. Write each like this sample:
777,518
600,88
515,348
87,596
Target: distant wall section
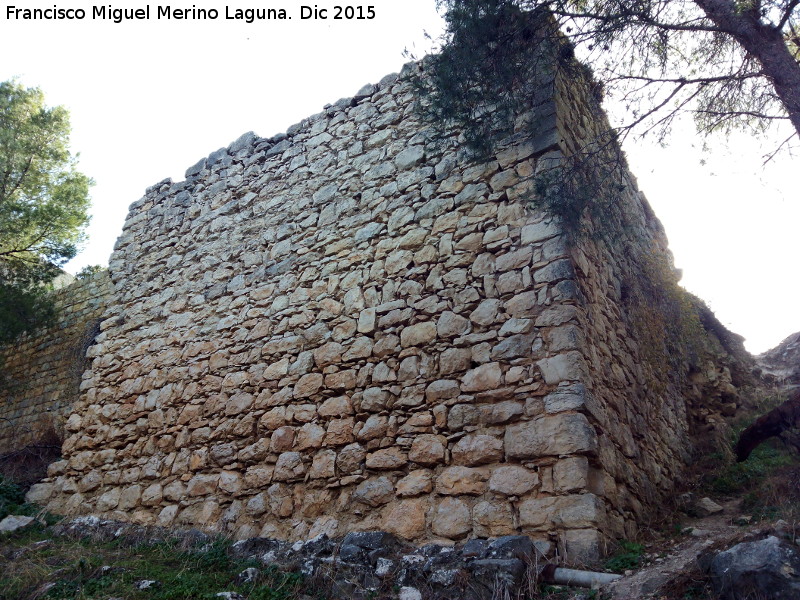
40,373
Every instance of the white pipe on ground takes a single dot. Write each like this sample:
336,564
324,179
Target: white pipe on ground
587,579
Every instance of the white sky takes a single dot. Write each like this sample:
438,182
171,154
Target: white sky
150,98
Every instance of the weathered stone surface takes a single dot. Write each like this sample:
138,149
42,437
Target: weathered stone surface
452,518
455,481
428,449
486,312
374,492
13,523
387,458
419,334
513,480
415,483
442,389
569,366
473,450
765,568
289,466
484,377
491,519
567,433
451,325
406,518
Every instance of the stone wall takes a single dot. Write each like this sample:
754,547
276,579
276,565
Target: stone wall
353,326
40,373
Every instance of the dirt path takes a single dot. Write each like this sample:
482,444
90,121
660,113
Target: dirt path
680,557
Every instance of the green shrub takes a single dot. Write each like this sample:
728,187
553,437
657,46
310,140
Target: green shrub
11,497
628,556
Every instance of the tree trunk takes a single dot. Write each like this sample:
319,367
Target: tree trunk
765,43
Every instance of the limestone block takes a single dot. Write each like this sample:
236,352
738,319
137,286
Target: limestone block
566,397
289,466
534,513
418,334
310,435
351,458
174,491
406,518
537,232
152,495
574,511
454,360
308,385
274,418
409,369
167,515
451,325
415,483
276,370
366,321
514,346
341,380
569,366
374,427
516,326
486,312
387,458
492,519
339,406
230,482
428,449
484,377
501,412
452,518
383,373
39,493
360,348
282,439
554,271
91,481
323,465
571,474
583,546
462,415
559,314
513,480
374,492
108,501
522,305
202,484
129,497
258,476
457,481
514,260
442,389
473,450
339,432
257,505
560,434
374,399
386,345
327,354
409,157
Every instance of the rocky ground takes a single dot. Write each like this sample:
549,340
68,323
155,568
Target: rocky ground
712,551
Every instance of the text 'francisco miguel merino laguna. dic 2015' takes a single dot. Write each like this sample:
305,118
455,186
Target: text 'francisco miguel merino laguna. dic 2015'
249,15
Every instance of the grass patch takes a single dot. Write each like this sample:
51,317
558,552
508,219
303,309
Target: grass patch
765,461
33,566
627,556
